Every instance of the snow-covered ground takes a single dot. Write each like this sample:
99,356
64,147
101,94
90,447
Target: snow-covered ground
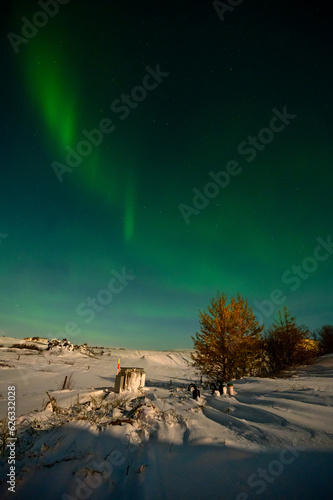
272,440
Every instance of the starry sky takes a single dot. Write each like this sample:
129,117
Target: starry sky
153,153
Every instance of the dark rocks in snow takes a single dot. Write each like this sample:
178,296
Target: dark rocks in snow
191,387
56,344
65,345
196,393
194,390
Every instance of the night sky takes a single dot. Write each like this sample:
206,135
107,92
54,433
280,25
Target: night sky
206,165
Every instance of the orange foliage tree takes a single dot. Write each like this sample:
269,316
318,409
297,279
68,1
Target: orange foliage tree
229,345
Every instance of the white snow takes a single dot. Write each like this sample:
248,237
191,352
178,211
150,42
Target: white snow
272,440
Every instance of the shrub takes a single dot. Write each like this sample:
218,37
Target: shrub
287,344
4,435
26,346
325,339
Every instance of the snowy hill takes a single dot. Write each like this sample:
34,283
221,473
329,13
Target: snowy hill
272,440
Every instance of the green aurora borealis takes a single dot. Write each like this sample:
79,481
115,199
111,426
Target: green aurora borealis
119,207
